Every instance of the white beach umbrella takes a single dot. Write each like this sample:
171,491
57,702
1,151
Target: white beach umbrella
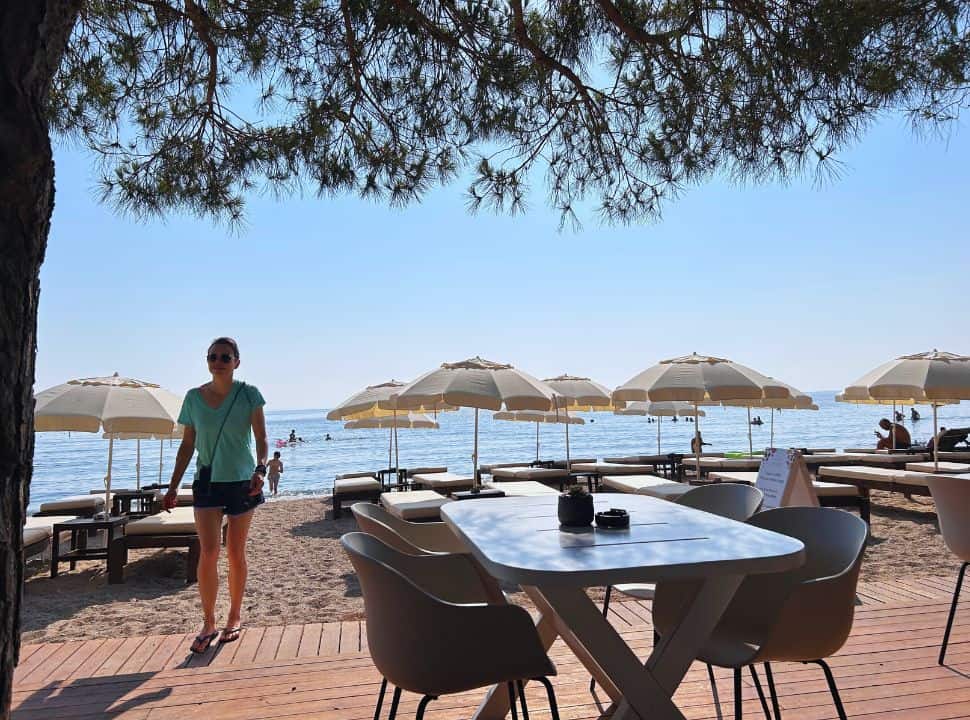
797,400
112,404
697,379
392,423
537,417
659,410
376,401
138,437
479,384
580,394
940,377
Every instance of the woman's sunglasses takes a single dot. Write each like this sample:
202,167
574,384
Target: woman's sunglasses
222,357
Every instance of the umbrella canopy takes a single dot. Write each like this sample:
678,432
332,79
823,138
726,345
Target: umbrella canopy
408,420
659,410
935,375
537,417
114,404
580,394
118,405
939,377
698,378
377,401
480,384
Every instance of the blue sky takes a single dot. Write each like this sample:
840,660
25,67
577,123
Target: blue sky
812,284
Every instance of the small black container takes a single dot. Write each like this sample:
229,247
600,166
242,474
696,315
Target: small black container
575,510
613,519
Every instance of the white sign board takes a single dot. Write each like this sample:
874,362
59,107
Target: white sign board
785,481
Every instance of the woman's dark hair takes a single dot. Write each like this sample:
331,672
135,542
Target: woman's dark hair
226,341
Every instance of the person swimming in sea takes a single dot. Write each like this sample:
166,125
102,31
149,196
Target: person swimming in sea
293,437
328,437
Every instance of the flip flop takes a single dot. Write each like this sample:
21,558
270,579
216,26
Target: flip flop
230,634
203,642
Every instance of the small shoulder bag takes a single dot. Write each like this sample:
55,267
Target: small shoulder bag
203,478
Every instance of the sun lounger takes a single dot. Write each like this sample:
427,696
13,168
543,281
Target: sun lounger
955,455
561,464
411,472
652,485
444,482
165,530
531,474
38,532
830,494
351,487
522,488
487,469
414,504
948,468
816,451
877,478
719,464
73,506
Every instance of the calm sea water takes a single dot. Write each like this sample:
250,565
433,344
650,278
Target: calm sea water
65,465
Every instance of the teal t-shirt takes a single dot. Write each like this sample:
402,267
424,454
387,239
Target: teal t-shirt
234,459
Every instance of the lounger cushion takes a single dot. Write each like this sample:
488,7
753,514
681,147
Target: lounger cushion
487,469
830,489
509,471
561,464
529,473
425,470
73,502
357,484
414,504
181,521
624,483
34,535
347,476
613,468
663,489
944,467
442,480
522,488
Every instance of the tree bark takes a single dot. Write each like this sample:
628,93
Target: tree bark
33,36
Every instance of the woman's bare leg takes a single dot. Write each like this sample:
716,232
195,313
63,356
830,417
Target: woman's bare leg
208,523
236,536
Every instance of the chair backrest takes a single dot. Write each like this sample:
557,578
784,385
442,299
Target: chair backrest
730,500
952,498
408,537
428,646
375,520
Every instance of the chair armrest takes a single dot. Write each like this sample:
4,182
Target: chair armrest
436,537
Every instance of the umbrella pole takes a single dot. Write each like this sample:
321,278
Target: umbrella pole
697,442
772,442
750,444
397,446
137,464
567,441
936,443
537,441
161,452
390,442
475,453
107,478
893,426
659,419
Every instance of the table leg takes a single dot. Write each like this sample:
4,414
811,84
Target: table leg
55,552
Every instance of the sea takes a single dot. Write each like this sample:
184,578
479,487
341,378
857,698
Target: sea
75,463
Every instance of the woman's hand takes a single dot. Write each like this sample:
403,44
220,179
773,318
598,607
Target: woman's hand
171,499
256,484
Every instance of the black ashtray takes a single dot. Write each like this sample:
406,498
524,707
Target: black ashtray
613,518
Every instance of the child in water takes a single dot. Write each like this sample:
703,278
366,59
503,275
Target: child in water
275,468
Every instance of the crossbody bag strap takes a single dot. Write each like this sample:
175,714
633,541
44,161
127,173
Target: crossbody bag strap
215,445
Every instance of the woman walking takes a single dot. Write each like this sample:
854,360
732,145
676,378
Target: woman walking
220,418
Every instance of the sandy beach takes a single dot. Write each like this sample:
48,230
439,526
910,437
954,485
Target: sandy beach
298,573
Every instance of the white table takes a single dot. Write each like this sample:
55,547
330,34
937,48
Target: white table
519,540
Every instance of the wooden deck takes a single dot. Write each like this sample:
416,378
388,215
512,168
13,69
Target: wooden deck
887,671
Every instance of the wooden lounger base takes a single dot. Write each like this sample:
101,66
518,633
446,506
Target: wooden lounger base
118,553
860,502
366,495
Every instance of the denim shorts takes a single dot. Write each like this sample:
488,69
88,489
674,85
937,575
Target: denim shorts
232,498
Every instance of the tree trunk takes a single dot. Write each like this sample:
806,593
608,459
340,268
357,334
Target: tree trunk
33,35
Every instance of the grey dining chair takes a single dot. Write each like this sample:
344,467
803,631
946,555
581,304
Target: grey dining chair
425,640
952,498
804,615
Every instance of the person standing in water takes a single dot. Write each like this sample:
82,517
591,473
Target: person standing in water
221,418
275,469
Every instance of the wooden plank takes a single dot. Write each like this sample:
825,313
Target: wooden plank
330,639
248,645
310,641
125,650
289,642
170,644
71,665
49,665
349,637
144,652
269,643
